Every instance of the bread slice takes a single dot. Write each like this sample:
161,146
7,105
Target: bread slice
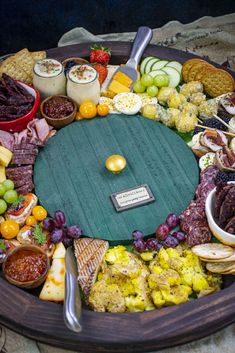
89,253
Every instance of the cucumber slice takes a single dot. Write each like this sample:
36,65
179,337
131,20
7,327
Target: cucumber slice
149,65
156,72
144,62
159,65
174,76
176,65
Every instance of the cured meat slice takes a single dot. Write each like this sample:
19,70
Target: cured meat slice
89,255
26,188
230,227
23,159
199,234
19,171
227,209
221,192
209,174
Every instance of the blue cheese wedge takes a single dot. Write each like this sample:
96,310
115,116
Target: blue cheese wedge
206,160
127,103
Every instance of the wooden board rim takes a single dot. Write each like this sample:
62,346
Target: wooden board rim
129,332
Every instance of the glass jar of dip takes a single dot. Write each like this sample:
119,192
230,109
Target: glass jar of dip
49,78
83,84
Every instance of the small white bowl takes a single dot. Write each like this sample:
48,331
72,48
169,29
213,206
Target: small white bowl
219,233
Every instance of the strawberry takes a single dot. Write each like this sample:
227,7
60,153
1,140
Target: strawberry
102,72
99,54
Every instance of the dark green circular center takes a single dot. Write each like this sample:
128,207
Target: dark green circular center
70,174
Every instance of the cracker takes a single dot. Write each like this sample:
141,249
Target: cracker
217,82
201,73
10,67
226,259
38,55
212,251
187,65
25,61
197,68
220,267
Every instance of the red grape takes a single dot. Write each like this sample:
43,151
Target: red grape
180,236
59,217
57,236
171,242
152,244
137,234
162,231
74,232
172,220
139,245
49,224
67,241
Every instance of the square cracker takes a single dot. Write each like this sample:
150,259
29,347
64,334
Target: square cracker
25,60
11,67
38,55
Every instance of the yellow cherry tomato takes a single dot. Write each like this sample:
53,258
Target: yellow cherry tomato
88,110
78,116
102,109
39,213
9,229
30,220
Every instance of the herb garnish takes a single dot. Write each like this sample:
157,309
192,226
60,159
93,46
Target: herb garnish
38,234
2,245
17,203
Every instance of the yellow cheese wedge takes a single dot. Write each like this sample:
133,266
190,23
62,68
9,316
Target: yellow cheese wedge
123,79
5,156
117,87
59,252
2,173
54,287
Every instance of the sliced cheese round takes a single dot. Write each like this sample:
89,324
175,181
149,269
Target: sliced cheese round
127,103
206,160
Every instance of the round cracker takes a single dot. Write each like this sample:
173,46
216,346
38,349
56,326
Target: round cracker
226,259
212,251
187,65
220,267
200,73
217,82
194,69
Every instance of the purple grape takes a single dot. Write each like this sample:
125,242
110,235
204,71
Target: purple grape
139,245
59,217
171,242
49,224
137,235
180,236
57,235
74,232
162,231
67,241
172,220
152,244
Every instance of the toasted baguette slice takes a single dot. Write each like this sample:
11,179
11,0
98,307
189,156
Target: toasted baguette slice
89,253
30,200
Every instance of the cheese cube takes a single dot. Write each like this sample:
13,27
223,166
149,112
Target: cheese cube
123,79
2,173
5,156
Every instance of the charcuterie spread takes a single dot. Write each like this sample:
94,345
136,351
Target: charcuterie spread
186,255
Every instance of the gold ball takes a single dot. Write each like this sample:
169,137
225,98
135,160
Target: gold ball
115,163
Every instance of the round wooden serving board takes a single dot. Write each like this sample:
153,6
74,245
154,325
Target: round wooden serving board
130,332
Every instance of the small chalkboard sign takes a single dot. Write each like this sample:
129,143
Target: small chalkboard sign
130,198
